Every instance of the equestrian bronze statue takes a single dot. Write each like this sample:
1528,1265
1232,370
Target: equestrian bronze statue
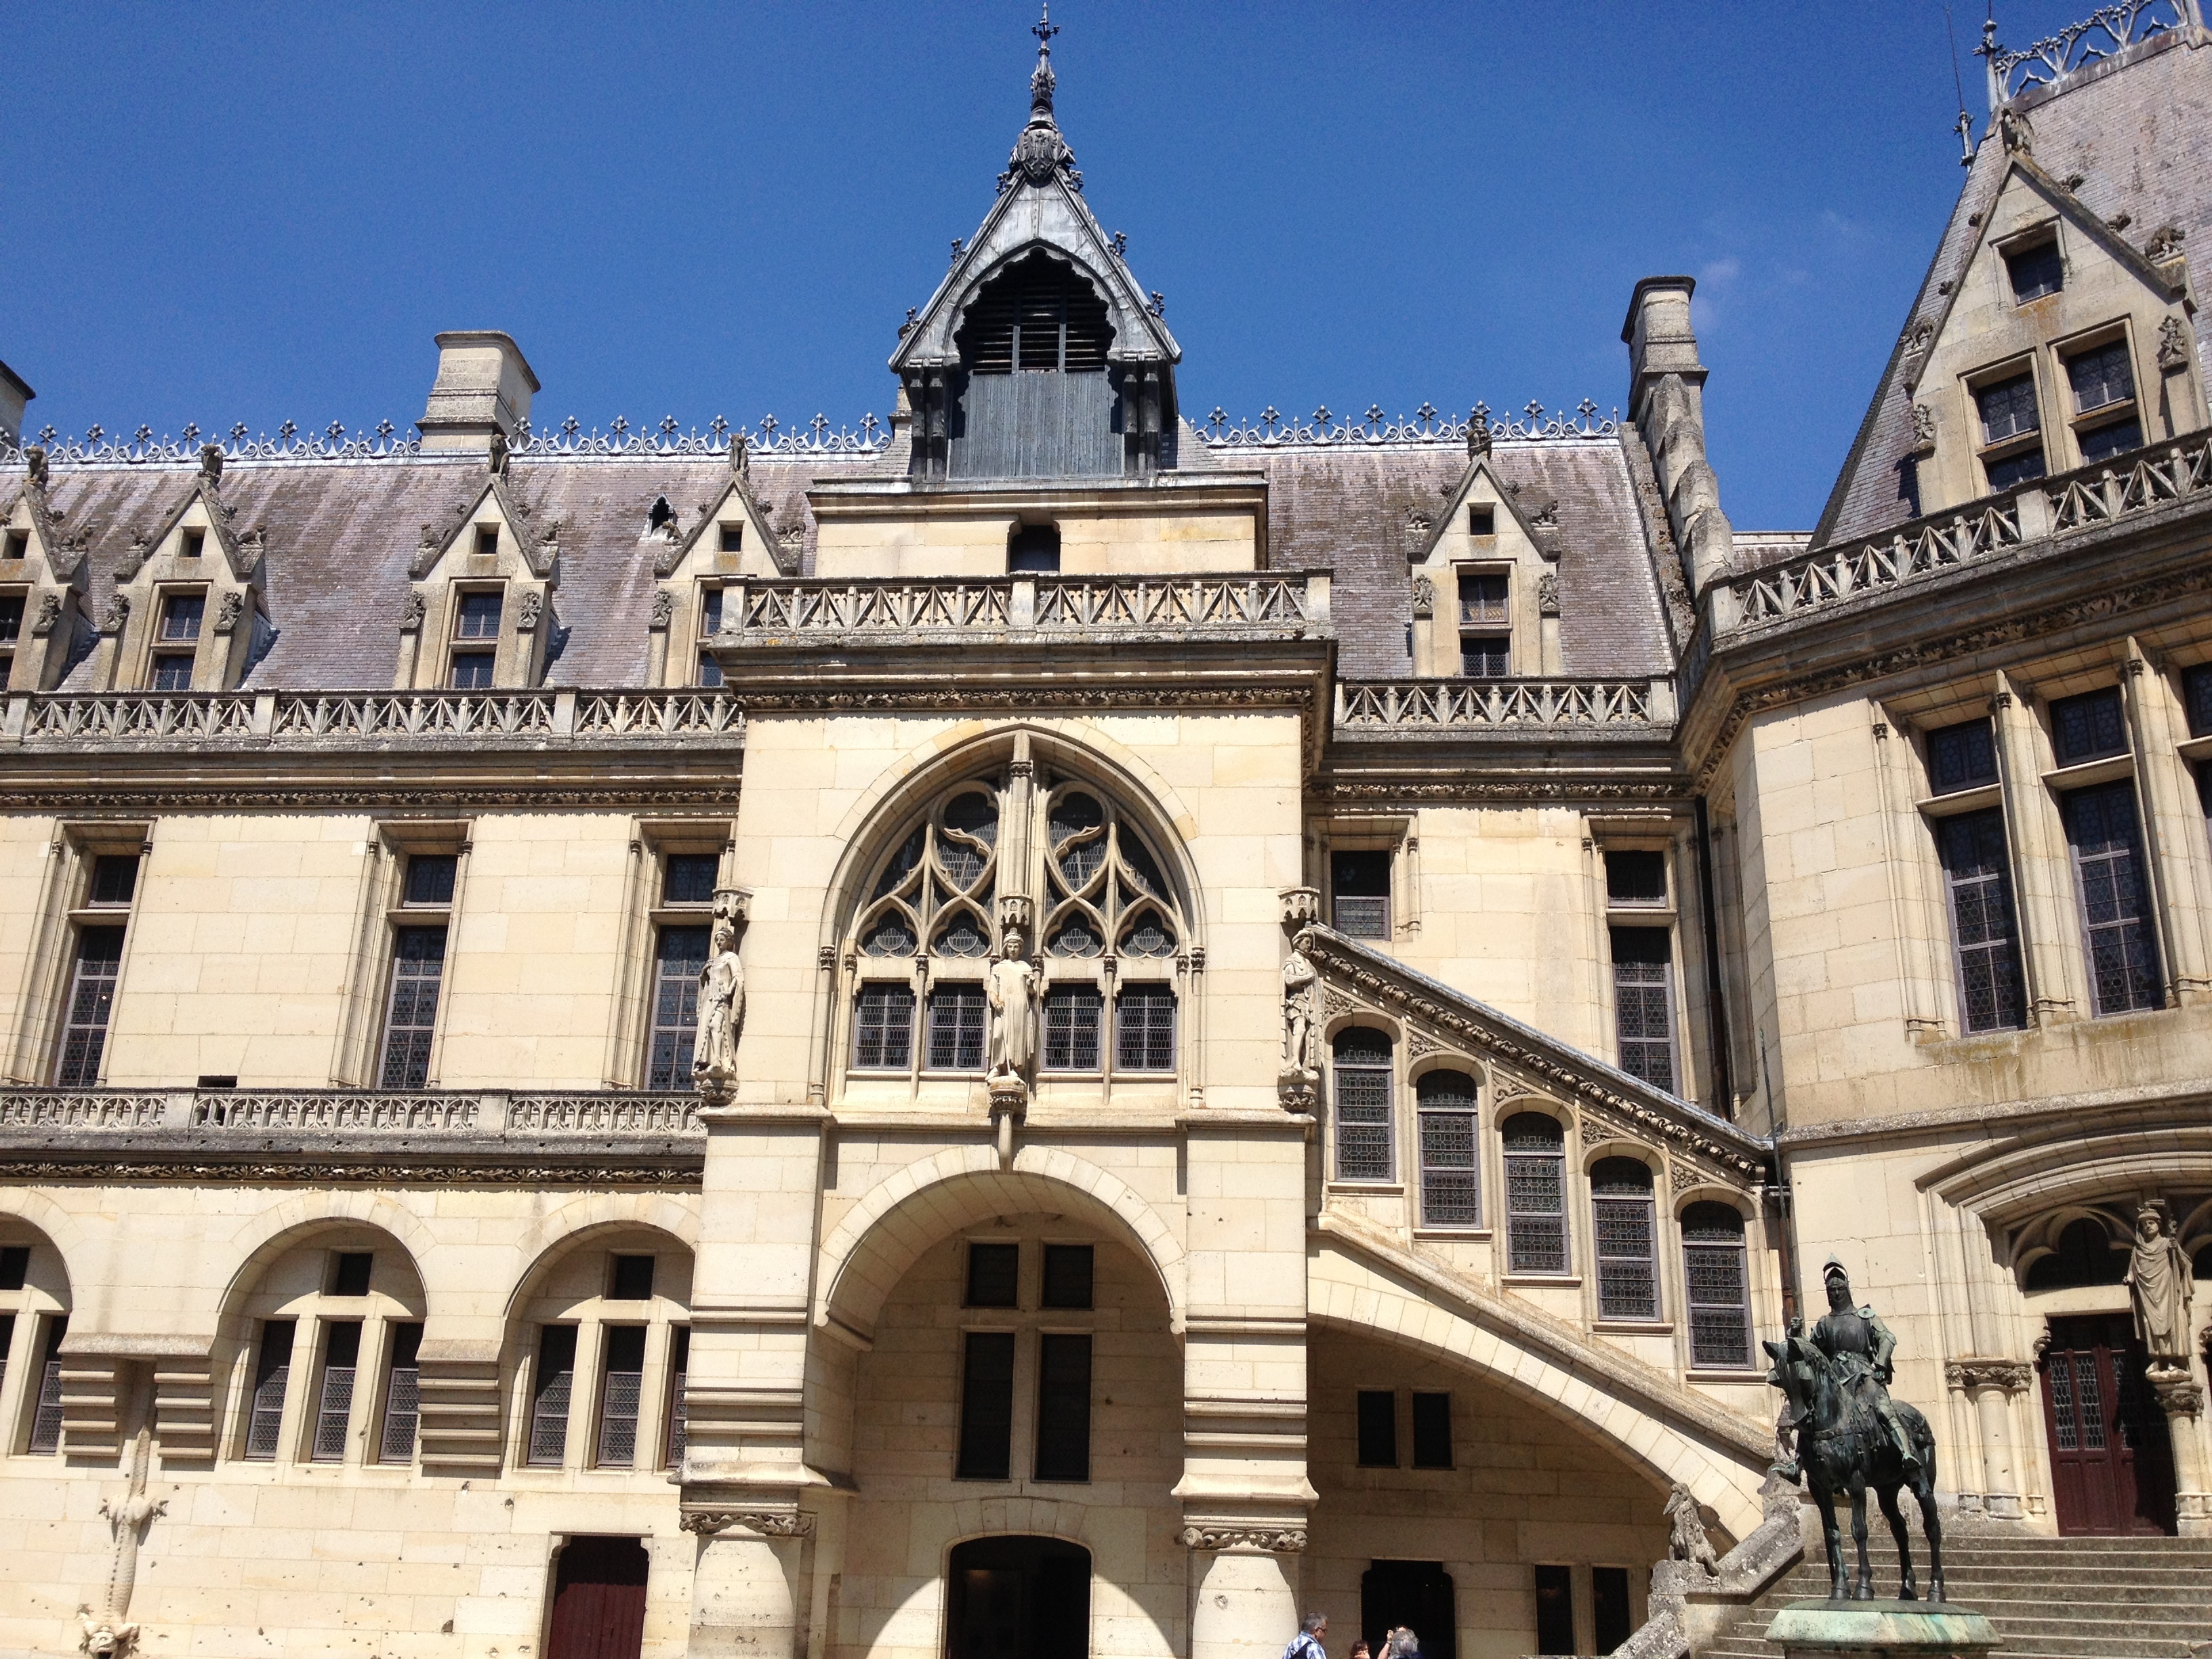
1851,1435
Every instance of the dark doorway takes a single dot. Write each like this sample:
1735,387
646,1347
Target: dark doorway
598,1600
2112,1465
1017,1598
1415,1594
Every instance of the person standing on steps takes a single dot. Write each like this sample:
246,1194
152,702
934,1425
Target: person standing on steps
1306,1644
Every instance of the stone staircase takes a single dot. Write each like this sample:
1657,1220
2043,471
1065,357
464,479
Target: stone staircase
2049,1598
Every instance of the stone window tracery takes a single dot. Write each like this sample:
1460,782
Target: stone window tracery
1050,867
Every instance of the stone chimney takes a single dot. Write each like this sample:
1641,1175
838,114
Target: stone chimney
14,393
1667,401
483,386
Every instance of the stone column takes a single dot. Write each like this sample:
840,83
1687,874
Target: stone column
1990,1384
742,1603
2040,862
1246,1602
2184,1399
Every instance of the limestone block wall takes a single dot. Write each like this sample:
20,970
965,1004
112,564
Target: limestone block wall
1524,1488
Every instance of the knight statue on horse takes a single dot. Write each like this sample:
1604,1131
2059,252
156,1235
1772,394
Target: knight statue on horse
1852,1435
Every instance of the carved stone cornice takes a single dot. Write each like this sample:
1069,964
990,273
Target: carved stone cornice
765,1524
1516,789
1273,1540
1981,1372
1610,1095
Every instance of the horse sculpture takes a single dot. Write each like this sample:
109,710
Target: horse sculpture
1843,1445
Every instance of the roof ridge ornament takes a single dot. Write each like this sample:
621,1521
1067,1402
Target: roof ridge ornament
1041,151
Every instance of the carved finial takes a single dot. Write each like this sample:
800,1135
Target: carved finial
34,464
498,454
211,463
741,454
1042,81
1478,430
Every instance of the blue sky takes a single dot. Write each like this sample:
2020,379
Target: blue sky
219,213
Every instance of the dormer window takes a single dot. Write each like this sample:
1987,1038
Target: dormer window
1034,547
1485,623
487,541
18,544
660,515
2012,431
2035,270
2106,421
1482,520
194,543
476,618
731,538
181,614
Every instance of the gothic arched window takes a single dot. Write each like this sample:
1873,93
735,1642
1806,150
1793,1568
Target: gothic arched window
1536,1194
1627,1259
1451,1187
1061,861
1716,1279
1363,1106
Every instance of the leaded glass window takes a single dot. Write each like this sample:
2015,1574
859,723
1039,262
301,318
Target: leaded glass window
955,1028
1451,1182
677,967
1071,1028
1623,1218
1644,1003
2108,867
1144,1028
882,1034
1536,1194
1363,1106
1715,1279
1985,926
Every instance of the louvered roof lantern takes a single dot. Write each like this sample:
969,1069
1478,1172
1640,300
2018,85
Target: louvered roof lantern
1040,209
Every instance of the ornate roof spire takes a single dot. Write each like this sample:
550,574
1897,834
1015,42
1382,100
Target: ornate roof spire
1040,151
1043,80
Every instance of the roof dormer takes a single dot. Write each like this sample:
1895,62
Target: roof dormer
187,613
1485,578
701,575
480,615
43,579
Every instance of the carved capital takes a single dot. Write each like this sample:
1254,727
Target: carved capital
1298,1088
764,1523
1976,1372
2177,1391
1301,907
1270,1540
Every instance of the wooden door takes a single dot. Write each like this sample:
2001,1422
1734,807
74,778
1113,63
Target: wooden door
2112,1465
598,1600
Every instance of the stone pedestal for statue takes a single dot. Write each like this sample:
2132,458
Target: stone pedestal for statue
741,1597
1875,1629
1248,1596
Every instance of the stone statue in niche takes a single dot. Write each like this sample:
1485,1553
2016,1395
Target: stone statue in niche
2158,1286
721,1002
1297,1084
1012,990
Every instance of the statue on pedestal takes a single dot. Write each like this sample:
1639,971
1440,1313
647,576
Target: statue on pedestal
1299,1083
2159,1287
721,1002
1852,1435
1012,988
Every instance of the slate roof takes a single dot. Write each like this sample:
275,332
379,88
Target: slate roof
341,535
2133,128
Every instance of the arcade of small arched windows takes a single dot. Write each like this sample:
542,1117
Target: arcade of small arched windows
319,1357
1562,1202
1057,872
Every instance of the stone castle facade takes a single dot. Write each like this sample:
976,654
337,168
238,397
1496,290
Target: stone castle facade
1067,1027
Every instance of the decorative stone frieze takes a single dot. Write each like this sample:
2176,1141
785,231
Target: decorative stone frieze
1273,1540
765,1524
2009,1374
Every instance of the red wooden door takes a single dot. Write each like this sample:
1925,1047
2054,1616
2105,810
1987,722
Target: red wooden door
598,1600
2112,1465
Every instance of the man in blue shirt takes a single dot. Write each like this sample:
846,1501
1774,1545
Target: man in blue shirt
1306,1644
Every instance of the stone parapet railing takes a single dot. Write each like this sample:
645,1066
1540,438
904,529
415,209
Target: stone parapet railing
219,1115
2086,499
1508,705
956,610
317,720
